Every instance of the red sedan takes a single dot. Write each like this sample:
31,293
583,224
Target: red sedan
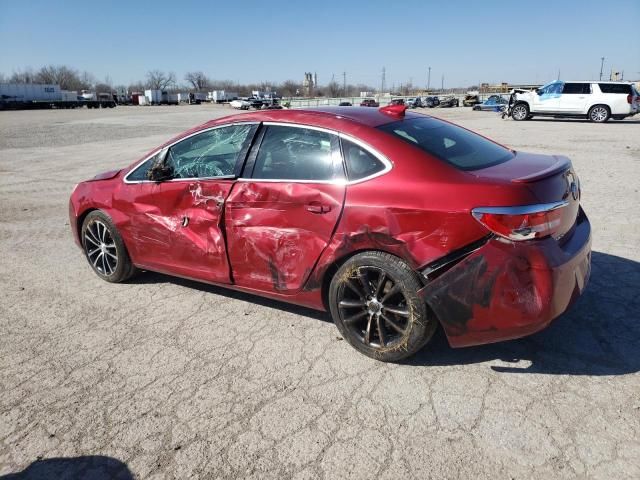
393,221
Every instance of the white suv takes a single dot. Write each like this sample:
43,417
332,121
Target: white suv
597,101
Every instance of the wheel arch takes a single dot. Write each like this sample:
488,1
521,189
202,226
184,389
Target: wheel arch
80,220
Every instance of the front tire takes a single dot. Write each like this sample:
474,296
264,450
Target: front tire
104,249
520,112
599,113
374,303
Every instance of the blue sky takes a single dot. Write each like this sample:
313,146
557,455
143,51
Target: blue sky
251,41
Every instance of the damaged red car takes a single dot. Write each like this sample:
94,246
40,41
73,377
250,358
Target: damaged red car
394,222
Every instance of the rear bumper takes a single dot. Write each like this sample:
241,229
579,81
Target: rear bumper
509,290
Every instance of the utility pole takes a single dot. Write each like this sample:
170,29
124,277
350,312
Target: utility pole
382,82
429,79
442,86
601,66
344,83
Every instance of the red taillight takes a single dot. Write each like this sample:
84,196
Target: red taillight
522,223
629,99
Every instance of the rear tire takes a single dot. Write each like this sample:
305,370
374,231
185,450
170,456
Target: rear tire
374,303
104,249
599,113
520,112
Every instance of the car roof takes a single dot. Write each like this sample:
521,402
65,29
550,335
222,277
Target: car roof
593,81
320,116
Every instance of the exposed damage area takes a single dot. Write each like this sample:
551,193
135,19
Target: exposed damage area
506,290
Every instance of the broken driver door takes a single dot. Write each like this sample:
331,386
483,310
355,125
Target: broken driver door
203,169
281,215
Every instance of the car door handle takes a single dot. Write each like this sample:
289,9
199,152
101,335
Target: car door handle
317,207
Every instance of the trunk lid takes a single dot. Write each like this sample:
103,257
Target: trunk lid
550,178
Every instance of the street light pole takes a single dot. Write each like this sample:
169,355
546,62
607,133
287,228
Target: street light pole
601,66
429,79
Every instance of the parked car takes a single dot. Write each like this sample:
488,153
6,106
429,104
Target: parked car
345,104
412,102
597,101
392,221
431,102
494,104
369,102
397,101
240,104
471,99
449,101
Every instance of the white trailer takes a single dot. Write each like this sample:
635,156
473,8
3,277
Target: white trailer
29,92
68,96
220,96
153,97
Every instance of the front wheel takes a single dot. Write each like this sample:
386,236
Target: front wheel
104,248
374,303
520,112
599,113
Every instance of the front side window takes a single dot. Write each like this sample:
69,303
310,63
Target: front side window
461,148
213,153
142,171
291,153
360,163
552,88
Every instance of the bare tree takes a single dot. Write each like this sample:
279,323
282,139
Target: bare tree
158,80
103,88
289,88
66,77
333,89
198,80
22,76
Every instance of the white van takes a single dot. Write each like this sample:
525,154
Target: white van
597,101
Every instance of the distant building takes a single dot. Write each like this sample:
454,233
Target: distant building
310,83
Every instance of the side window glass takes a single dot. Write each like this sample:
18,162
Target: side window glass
141,173
572,88
213,153
291,153
360,163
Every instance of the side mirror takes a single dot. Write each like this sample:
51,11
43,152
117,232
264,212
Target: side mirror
160,172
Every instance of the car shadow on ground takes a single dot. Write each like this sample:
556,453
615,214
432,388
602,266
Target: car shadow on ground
153,277
93,467
599,335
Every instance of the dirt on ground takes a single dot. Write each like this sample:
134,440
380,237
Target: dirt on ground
167,378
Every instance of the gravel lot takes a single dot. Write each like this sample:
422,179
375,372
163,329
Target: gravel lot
166,378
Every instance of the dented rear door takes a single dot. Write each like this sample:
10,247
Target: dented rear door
280,217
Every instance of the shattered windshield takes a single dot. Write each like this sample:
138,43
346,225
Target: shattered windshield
213,153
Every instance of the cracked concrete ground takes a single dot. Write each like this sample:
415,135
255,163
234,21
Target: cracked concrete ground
166,378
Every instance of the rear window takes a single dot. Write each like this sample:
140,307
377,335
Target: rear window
615,88
461,148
